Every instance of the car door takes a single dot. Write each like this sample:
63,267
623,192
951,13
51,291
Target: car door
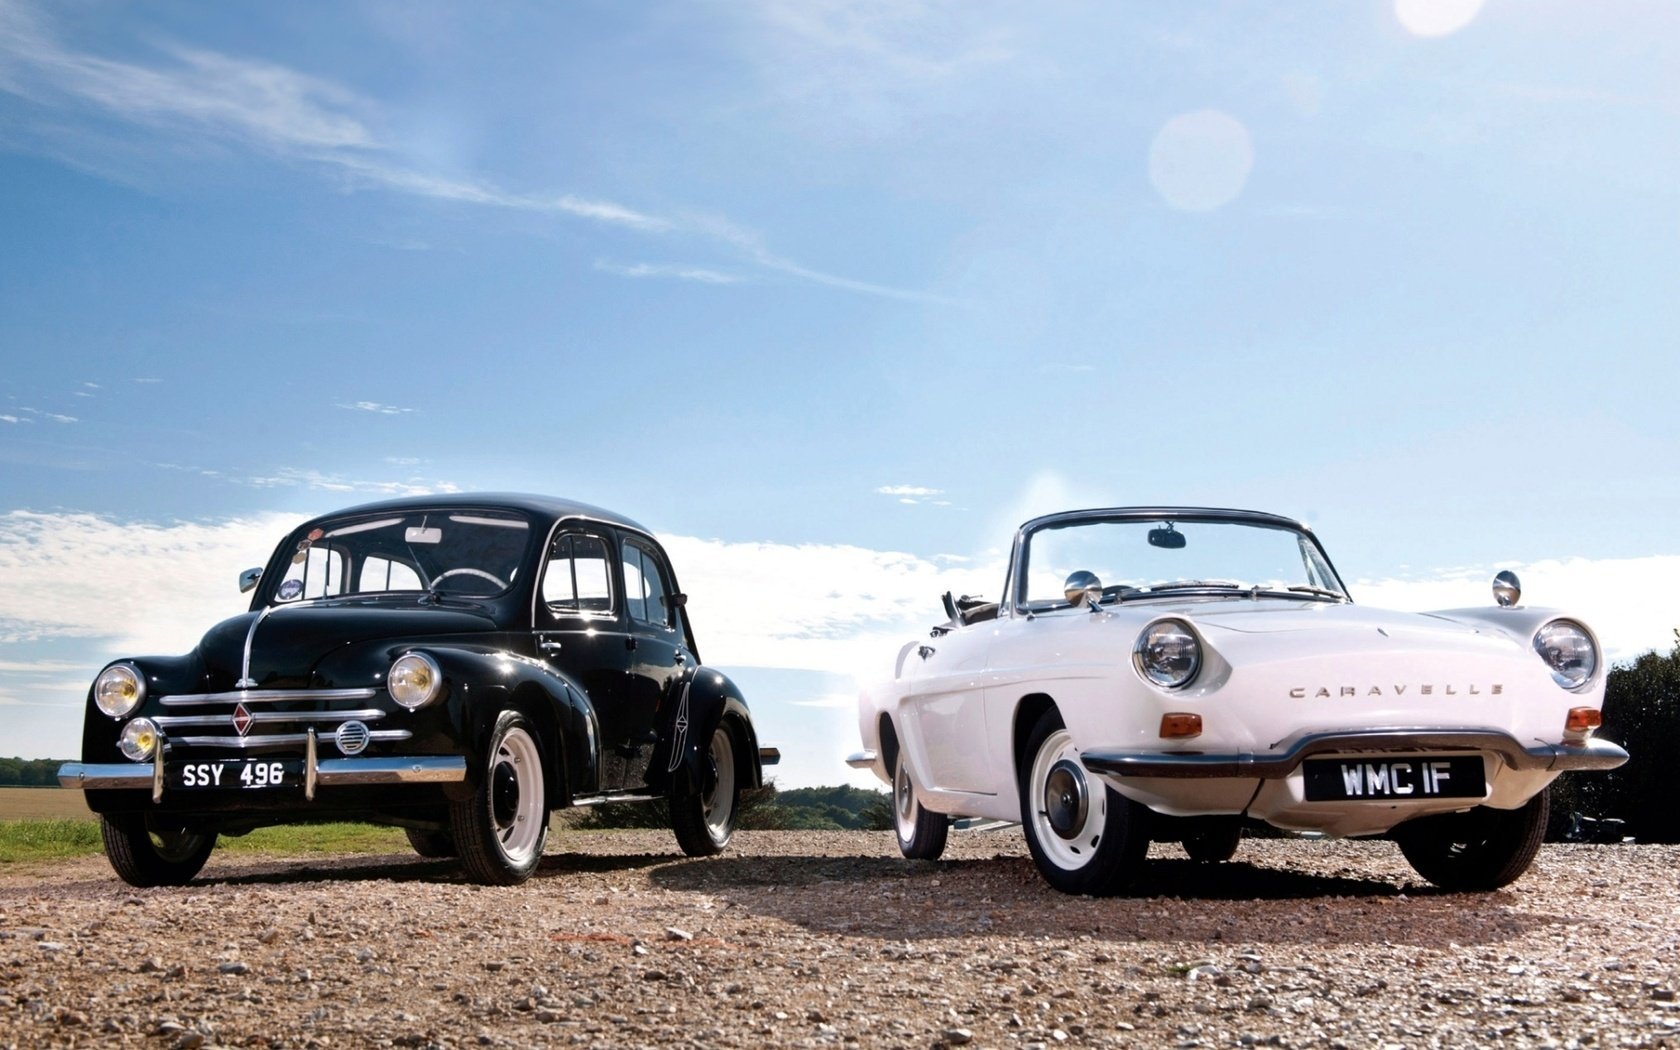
581,629
659,656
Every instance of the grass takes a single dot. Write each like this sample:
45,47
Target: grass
56,839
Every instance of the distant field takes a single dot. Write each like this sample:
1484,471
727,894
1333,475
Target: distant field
42,803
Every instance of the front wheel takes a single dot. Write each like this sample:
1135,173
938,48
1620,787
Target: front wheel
921,832
1482,849
704,820
431,844
1213,840
1084,836
500,830
147,851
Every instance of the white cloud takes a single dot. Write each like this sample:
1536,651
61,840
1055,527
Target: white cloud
375,407
908,490
14,419
293,477
685,273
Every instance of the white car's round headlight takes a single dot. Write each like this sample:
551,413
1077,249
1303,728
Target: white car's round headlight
1569,651
415,680
1168,654
139,739
118,690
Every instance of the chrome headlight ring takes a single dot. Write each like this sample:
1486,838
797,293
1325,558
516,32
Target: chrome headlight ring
415,680
1168,654
119,690
1569,651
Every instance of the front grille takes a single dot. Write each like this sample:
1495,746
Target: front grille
268,728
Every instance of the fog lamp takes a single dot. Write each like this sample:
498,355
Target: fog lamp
139,740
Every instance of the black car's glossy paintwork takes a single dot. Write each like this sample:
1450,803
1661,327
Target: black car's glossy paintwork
623,708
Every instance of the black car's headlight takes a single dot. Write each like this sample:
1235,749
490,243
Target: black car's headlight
1168,654
139,740
1569,651
119,689
415,680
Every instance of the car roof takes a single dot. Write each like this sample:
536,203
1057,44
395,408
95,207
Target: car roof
1167,513
545,507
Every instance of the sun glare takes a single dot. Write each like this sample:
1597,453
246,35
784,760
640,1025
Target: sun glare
1200,161
1436,17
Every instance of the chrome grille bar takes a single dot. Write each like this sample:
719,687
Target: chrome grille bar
269,696
245,743
368,714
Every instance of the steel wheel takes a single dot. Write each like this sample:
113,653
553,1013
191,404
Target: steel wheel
717,802
1084,836
501,829
703,814
921,832
144,851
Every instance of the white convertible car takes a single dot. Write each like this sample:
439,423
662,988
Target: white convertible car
1166,673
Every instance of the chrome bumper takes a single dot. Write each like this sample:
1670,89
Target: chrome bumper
331,772
862,760
1271,765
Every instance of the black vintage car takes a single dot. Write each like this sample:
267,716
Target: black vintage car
457,666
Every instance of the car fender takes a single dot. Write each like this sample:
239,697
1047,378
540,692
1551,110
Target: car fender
480,683
702,700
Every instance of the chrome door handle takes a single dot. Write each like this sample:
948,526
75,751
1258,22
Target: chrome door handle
548,646
925,651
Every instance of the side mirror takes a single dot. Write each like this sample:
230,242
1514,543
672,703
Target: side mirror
248,579
1507,589
1169,538
1083,588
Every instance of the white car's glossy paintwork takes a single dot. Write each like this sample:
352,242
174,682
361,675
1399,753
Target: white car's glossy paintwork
1275,670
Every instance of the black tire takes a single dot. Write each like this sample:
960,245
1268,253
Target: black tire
1213,840
703,817
1084,836
1479,850
921,832
431,844
146,851
500,830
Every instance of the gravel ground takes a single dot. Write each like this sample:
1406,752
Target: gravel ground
819,938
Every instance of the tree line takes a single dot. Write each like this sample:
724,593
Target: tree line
29,772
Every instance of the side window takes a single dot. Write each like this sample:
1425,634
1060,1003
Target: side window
644,585
576,581
383,574
317,572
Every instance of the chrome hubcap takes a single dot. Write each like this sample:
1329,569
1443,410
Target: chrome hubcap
1065,799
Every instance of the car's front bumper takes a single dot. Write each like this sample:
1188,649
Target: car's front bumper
1269,765
317,772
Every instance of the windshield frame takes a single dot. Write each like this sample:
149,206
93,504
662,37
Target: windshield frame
1015,583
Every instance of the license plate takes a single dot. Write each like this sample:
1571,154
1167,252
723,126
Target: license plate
239,774
1393,778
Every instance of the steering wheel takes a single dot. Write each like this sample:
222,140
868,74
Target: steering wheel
440,577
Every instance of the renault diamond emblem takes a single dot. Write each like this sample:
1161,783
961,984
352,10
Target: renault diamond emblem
241,719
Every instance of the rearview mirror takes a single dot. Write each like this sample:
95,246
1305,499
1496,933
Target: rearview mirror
1083,588
423,534
248,579
1169,538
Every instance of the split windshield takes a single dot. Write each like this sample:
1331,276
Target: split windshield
463,553
1136,559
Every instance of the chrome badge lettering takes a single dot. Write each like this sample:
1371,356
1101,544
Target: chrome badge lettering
1325,692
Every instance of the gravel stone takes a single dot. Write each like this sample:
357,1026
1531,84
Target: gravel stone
832,939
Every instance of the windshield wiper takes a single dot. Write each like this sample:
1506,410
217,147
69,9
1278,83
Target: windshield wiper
1319,592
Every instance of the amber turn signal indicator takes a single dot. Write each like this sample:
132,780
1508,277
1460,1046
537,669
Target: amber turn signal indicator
1176,725
1582,719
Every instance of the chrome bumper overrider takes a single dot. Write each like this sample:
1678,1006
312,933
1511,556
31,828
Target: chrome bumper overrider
1593,754
862,760
330,772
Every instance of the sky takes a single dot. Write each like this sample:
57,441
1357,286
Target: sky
832,296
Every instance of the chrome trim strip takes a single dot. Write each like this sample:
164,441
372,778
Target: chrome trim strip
278,739
1272,765
449,769
368,714
79,775
245,679
600,800
863,759
268,696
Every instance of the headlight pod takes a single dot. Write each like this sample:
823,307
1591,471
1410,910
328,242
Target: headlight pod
139,739
1569,651
118,690
1168,654
415,680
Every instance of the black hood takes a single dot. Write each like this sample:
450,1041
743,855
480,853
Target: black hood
291,641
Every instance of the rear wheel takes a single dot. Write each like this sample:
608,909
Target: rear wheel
1213,840
431,843
501,829
921,832
704,819
1482,849
1084,836
149,851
